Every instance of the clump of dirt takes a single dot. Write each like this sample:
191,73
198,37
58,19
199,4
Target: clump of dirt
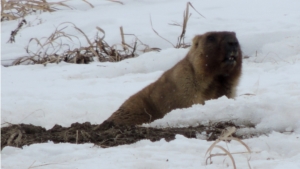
18,135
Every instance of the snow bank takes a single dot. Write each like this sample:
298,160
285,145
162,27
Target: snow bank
177,154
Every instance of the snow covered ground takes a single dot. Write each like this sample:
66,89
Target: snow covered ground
268,95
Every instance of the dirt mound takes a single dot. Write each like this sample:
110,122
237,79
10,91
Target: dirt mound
18,135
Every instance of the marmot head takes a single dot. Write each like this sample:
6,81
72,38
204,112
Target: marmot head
218,53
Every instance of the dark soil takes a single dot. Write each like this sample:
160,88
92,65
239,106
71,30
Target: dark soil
18,135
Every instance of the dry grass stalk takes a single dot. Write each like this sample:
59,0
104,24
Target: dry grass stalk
92,6
116,1
87,39
190,4
180,41
158,33
186,16
14,32
14,9
226,136
54,49
123,38
144,47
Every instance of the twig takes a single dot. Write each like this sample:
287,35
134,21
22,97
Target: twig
150,116
116,1
123,38
158,34
14,32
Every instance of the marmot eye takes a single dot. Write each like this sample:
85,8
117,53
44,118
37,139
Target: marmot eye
211,38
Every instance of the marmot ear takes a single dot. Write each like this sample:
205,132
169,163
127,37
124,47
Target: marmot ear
196,40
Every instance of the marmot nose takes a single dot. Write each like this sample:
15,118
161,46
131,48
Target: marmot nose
232,43
232,46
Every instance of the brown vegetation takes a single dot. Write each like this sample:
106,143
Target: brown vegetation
15,9
53,48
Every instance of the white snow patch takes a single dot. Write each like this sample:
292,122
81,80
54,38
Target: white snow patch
268,94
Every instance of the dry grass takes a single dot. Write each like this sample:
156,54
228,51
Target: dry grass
226,136
180,40
15,9
57,47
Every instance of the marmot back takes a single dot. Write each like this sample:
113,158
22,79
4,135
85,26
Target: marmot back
211,69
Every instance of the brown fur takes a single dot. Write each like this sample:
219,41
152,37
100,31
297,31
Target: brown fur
202,75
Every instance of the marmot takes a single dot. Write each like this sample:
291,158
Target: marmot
211,69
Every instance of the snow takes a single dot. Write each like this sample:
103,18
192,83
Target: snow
268,94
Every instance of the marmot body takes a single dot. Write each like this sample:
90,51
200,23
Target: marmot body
211,69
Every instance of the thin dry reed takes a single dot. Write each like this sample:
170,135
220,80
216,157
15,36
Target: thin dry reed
226,136
180,40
